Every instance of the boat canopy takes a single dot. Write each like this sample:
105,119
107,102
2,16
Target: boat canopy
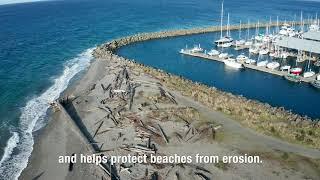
299,44
312,35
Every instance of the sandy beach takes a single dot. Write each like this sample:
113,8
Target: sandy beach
125,111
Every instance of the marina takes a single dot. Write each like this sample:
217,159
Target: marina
250,66
299,40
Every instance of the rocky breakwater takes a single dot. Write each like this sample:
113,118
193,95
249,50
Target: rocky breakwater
262,117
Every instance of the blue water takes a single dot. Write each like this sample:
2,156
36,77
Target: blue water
44,44
275,90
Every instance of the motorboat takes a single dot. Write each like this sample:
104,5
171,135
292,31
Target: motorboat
273,65
285,68
250,61
225,45
296,71
223,55
232,63
318,77
293,78
225,39
241,58
196,49
308,74
262,63
213,52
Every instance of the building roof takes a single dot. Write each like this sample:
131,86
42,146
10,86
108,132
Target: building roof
314,35
299,44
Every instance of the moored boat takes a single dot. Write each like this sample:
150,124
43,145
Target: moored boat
285,68
241,58
232,63
296,71
196,49
293,78
250,61
308,74
262,63
223,55
213,52
316,84
264,51
273,65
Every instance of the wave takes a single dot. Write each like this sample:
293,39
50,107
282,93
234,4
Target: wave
34,112
11,144
3,2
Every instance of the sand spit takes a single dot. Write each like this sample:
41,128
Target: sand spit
130,112
122,108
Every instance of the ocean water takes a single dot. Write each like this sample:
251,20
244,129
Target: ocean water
43,45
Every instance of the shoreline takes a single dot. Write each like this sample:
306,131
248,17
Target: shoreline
94,73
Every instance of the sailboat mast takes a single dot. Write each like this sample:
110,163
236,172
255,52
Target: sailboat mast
301,22
240,30
248,29
228,32
221,20
277,24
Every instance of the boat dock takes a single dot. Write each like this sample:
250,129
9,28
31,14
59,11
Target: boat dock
249,66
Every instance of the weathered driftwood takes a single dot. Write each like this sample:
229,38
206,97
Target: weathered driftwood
202,176
104,131
164,136
98,129
100,120
105,89
140,150
179,137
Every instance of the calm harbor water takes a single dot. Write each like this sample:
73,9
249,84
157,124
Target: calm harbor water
43,45
164,54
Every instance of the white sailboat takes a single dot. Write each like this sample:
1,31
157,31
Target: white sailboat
240,41
249,41
308,72
224,41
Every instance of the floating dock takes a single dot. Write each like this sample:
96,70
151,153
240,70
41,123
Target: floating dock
249,66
